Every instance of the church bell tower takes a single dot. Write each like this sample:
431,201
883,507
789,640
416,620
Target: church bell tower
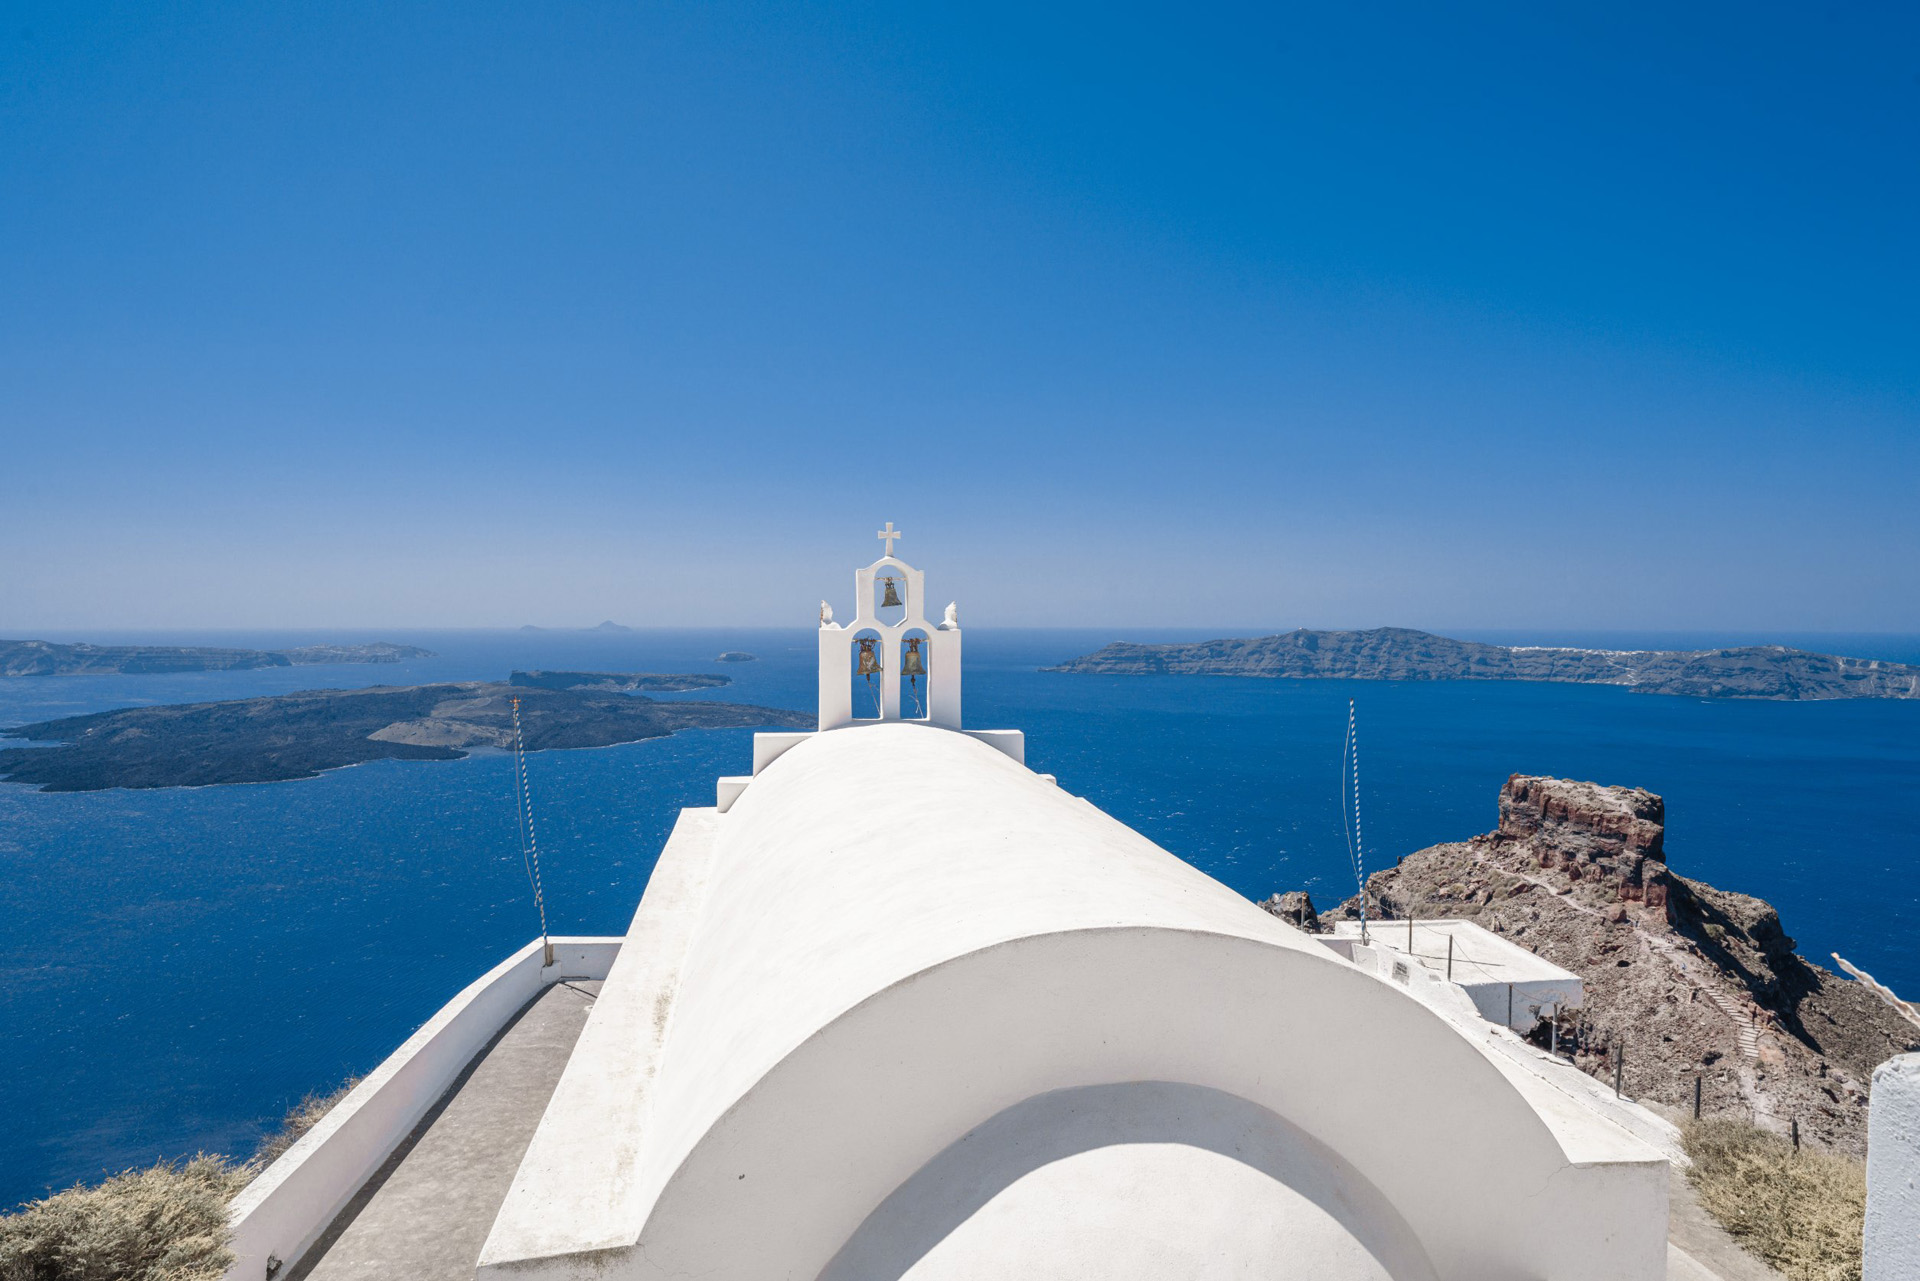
888,663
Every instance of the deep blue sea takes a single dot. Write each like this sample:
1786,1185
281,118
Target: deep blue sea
178,966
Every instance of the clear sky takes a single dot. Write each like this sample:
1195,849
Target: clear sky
1555,316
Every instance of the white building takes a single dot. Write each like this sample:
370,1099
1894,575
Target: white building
897,1006
1506,983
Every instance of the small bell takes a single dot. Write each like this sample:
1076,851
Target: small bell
869,662
912,665
892,597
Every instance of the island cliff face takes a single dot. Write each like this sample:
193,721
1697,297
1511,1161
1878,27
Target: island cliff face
47,658
1689,980
1397,653
260,740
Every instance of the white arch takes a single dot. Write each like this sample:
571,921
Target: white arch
1142,1179
785,1177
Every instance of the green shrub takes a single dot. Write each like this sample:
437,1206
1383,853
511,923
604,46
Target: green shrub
164,1223
1803,1212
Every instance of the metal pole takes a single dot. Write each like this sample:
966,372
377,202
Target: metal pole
1696,1098
1409,933
1553,1036
1796,1134
1449,958
1619,1067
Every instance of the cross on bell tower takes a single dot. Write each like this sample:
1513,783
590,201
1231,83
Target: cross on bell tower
888,535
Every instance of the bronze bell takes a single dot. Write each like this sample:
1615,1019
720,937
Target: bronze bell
912,665
892,597
869,662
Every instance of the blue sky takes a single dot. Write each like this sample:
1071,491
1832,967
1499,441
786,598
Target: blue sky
1248,317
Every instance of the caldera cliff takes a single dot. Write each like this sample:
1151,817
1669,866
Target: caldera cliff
1401,654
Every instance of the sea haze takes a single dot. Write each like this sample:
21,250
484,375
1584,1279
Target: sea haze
181,965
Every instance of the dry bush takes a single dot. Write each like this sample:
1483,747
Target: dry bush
164,1223
1803,1212
300,1118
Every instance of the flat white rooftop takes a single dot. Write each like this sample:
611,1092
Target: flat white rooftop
1478,954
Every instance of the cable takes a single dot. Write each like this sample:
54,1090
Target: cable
529,845
1350,750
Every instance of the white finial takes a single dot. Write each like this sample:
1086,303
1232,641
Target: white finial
826,613
887,536
953,614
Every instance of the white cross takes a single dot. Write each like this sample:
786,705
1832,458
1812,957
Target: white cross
888,535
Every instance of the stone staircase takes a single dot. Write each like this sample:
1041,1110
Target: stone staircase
1747,1031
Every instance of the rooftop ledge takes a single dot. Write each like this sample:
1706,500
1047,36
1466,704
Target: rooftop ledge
769,747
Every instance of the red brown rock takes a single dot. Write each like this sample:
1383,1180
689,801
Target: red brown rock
1688,980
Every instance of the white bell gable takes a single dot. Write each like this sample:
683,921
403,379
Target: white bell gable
846,699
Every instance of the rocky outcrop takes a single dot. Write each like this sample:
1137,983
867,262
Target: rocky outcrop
1400,654
1688,981
1295,908
1588,831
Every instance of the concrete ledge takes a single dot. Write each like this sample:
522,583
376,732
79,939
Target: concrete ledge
767,748
727,790
283,1211
1011,741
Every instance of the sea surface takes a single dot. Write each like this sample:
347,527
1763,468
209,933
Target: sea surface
177,967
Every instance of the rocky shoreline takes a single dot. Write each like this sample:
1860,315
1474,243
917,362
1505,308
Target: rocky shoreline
1689,980
1400,654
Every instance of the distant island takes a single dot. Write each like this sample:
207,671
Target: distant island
618,682
1400,654
736,656
608,626
262,740
48,658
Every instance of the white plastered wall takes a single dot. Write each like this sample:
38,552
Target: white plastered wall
906,934
1893,1172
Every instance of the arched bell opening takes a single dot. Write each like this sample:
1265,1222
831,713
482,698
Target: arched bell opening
891,595
867,670
916,674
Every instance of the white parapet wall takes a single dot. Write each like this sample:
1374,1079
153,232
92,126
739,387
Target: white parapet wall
283,1211
1893,1172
